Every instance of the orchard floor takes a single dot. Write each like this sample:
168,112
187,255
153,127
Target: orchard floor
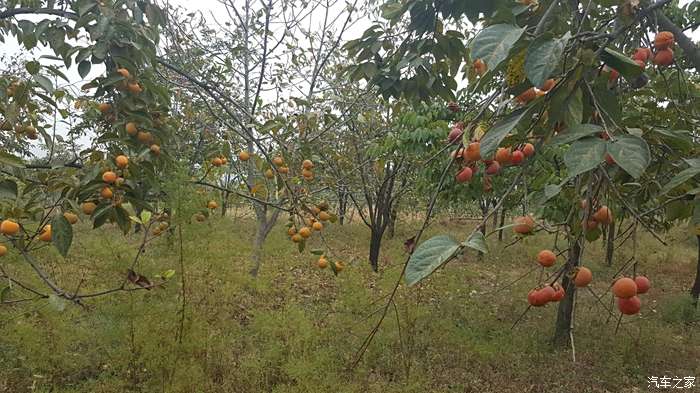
296,328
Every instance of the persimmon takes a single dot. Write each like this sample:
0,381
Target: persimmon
528,149
217,161
155,149
664,40
212,205
582,277
537,298
124,72
131,128
548,85
106,193
200,217
307,174
523,225
604,215
297,238
104,107
3,250
624,288
643,54
614,75
88,207
503,155
224,160
269,174
305,232
283,170
323,216
629,306
464,175
472,152
339,266
307,164
517,157
559,293
546,258
109,177
493,168
589,225
479,67
72,218
641,64
45,235
278,161
291,231
527,96
453,107
317,226
663,57
9,227
134,87
144,137
322,263
643,284
244,156
548,293
122,161
455,135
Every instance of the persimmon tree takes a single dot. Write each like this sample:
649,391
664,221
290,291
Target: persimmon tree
260,78
585,103
120,109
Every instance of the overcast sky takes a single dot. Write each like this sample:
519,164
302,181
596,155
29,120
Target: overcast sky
211,9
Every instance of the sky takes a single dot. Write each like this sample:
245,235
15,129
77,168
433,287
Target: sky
213,11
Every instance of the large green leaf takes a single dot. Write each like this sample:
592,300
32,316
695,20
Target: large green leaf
494,136
11,160
429,255
567,107
494,42
584,155
477,241
61,234
543,58
680,178
8,189
621,63
631,153
575,133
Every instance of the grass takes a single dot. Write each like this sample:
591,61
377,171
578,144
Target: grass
296,328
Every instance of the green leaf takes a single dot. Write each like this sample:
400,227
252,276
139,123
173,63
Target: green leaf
145,216
477,241
621,63
316,251
584,155
84,68
8,189
576,132
543,58
567,107
11,160
61,234
680,178
494,136
429,255
44,82
493,44
168,274
631,153
32,67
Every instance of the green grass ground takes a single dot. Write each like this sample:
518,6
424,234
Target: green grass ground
296,328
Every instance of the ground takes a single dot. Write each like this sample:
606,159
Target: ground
296,328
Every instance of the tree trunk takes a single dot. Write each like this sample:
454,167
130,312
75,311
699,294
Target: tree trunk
224,204
342,205
264,225
375,243
566,306
610,244
392,224
503,222
495,220
695,292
